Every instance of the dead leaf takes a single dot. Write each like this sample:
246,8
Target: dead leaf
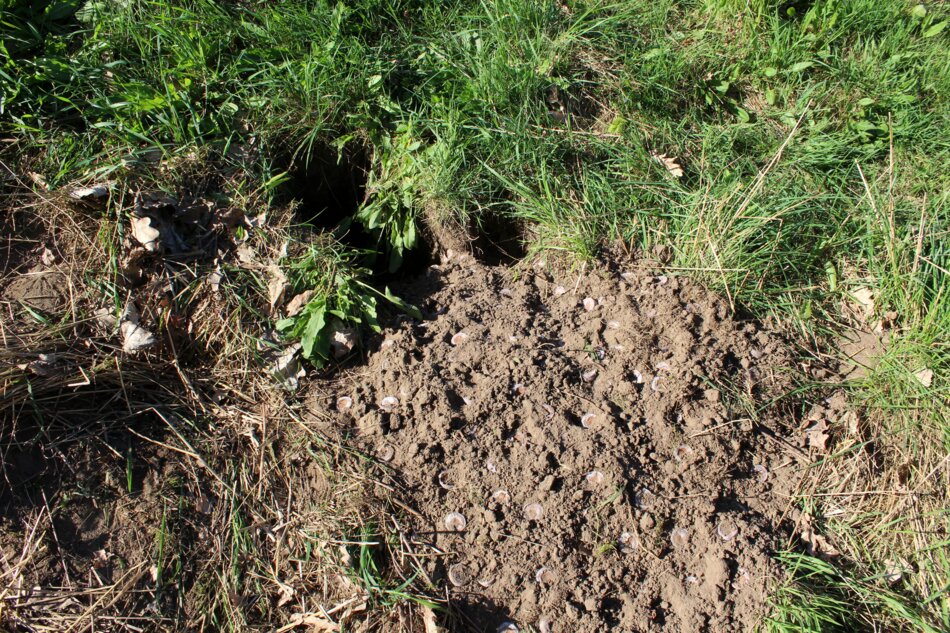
90,194
343,341
135,338
145,234
277,286
865,300
428,620
297,303
48,257
286,594
672,164
316,621
925,376
816,544
816,435
287,369
246,254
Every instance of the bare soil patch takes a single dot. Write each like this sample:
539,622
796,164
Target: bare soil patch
600,450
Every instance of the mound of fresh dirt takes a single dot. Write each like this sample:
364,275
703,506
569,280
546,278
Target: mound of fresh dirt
587,452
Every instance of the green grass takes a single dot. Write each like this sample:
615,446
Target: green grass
813,139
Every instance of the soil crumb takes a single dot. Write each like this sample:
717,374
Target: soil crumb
586,451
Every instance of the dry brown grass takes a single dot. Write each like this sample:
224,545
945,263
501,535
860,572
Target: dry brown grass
179,487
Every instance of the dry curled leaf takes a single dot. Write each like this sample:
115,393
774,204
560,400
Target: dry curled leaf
925,376
134,337
429,621
816,544
864,299
816,435
94,192
672,164
277,286
316,621
299,302
287,368
286,594
145,234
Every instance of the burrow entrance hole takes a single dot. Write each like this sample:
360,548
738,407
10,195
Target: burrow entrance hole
329,188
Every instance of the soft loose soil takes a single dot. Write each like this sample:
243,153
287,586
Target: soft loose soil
606,435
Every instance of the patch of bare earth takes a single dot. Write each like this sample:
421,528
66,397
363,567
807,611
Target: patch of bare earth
595,451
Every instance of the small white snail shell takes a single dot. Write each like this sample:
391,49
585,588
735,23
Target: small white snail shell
587,419
727,530
343,403
459,575
444,482
459,338
595,477
386,453
533,511
628,542
761,473
589,304
679,537
389,404
544,576
682,453
645,499
455,521
501,496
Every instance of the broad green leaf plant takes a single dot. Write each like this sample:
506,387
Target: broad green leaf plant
341,298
